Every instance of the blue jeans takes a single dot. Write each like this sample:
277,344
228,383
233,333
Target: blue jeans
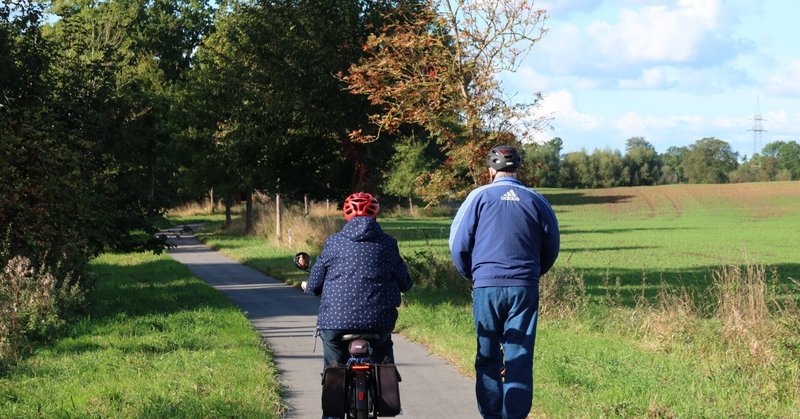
336,352
505,316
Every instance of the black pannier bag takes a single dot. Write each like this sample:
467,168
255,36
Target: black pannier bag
334,380
387,379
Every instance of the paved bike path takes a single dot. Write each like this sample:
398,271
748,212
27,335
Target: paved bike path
286,318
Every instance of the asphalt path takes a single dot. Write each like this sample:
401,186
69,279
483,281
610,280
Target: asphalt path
286,318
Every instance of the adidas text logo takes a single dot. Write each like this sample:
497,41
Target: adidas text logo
509,196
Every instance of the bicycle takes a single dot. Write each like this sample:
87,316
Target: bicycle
362,388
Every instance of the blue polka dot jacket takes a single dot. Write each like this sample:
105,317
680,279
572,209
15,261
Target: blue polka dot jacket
360,275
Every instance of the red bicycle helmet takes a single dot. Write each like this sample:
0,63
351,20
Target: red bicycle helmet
360,204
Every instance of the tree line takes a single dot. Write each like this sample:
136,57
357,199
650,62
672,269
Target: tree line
708,160
113,111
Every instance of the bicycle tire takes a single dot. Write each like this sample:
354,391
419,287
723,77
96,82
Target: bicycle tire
362,388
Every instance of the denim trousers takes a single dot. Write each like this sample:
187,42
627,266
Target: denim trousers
505,316
336,351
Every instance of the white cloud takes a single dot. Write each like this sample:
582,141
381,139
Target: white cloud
560,105
562,50
787,83
633,124
782,125
657,34
525,81
563,8
561,108
731,123
672,71
651,78
645,42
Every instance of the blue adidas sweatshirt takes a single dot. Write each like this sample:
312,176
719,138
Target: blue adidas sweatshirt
504,234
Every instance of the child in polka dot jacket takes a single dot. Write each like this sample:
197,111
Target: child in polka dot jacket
360,276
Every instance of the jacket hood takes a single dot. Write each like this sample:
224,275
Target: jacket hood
362,229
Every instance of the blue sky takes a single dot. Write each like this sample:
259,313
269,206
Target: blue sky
672,72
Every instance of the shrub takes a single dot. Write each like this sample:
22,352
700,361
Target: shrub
562,293
427,270
29,306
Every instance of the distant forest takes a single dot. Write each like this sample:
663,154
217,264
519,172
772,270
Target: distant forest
708,160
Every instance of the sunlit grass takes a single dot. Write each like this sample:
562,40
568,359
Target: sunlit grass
620,355
156,342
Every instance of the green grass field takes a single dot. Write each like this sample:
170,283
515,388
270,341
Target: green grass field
677,232
156,342
159,343
611,361
625,360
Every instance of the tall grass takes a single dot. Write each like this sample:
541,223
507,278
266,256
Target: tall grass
192,209
297,227
562,293
677,354
745,312
751,313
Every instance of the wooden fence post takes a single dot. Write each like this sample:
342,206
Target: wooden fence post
278,216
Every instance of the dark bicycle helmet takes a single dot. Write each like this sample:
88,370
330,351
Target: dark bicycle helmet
360,204
503,158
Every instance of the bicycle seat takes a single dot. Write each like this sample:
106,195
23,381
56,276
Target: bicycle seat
365,336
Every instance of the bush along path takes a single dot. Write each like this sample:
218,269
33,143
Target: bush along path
286,319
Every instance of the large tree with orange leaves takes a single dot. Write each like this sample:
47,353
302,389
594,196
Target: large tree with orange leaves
437,65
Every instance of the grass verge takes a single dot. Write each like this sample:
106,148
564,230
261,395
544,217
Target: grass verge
156,342
609,348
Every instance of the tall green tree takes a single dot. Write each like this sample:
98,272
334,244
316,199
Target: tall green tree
610,171
273,66
672,168
52,205
144,50
641,162
709,160
542,162
788,155
408,166
760,168
577,170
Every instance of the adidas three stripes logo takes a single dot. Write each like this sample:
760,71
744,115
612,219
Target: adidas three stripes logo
509,196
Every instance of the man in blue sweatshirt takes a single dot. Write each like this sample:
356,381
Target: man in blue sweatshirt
503,238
